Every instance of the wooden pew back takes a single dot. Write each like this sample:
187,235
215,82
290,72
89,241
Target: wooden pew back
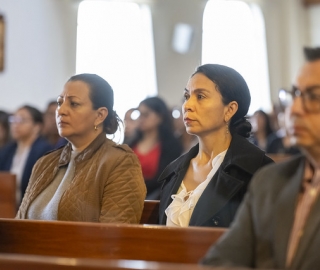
35,262
7,195
106,241
150,213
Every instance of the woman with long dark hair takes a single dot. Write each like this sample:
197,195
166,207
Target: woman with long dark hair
155,143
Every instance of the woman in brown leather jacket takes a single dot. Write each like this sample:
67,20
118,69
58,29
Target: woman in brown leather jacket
91,178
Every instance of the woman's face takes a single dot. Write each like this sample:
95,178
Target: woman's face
76,119
22,126
148,119
203,110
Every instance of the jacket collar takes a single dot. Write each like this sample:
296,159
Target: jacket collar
243,154
237,155
240,150
85,154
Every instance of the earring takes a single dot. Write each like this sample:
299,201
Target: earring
227,127
95,128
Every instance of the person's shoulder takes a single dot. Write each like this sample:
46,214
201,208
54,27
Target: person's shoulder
290,162
8,147
275,173
42,145
111,148
246,155
47,158
118,147
54,152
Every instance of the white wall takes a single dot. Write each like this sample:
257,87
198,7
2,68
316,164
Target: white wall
174,69
41,46
39,51
314,20
287,31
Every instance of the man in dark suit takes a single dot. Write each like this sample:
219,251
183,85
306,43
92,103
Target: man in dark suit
278,223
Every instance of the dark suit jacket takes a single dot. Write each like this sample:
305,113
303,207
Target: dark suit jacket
220,200
259,236
38,149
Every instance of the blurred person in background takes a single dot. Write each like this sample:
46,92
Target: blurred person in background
50,130
281,142
4,129
27,146
155,143
261,129
187,140
130,125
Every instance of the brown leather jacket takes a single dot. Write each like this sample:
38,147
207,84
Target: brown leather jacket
108,185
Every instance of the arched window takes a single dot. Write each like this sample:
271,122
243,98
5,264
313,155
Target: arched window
234,35
115,41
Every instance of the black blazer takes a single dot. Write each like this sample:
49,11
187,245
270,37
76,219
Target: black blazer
220,200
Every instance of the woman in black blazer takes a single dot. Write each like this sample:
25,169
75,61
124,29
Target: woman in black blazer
205,186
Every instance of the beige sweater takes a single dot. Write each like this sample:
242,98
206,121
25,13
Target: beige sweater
108,185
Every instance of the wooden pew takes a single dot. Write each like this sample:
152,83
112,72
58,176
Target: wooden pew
35,262
106,241
7,195
150,213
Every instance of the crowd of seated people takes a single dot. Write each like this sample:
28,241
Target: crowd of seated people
271,135
157,137
224,180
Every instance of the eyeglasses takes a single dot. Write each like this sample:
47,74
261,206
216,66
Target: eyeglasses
18,120
310,98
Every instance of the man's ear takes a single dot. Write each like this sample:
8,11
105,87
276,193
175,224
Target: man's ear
232,108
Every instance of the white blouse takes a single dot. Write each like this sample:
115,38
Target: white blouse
181,208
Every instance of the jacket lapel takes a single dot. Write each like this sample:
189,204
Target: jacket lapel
284,214
241,156
171,179
217,194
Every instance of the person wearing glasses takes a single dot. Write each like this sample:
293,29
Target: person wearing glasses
277,226
26,148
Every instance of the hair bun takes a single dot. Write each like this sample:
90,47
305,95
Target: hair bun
241,126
